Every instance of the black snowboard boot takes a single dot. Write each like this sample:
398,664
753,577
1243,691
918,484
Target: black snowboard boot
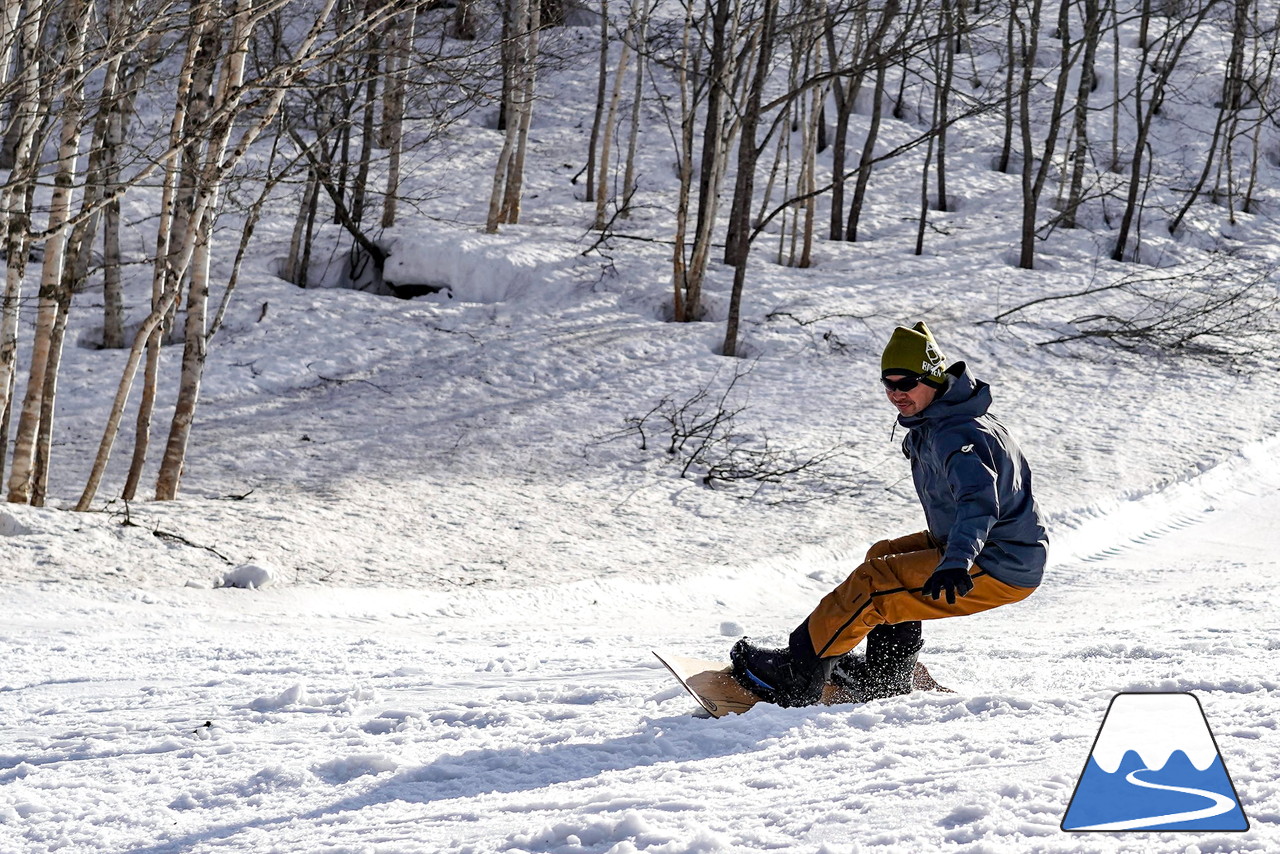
788,677
887,667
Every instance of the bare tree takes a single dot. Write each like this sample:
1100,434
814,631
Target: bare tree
23,157
637,30
31,443
1090,38
175,215
602,86
686,296
223,151
880,57
1230,103
606,141
1035,170
1148,96
400,32
738,244
520,52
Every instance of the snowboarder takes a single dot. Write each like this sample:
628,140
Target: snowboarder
985,544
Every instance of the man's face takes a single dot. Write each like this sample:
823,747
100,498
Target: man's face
910,402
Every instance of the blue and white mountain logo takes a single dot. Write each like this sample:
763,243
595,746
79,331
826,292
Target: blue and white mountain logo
1155,766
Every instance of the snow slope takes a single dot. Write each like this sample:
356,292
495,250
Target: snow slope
303,718
407,598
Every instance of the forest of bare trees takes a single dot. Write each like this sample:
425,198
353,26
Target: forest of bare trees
775,112
781,111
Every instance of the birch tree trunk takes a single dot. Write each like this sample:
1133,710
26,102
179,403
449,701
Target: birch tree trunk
876,56
845,93
684,299
717,141
602,85
1228,109
393,110
52,301
867,157
16,200
166,273
514,191
950,35
1080,115
9,12
195,345
92,212
360,186
194,353
939,82
44,435
606,144
179,256
104,170
639,31
808,181
516,18
112,429
299,260
1010,95
744,187
1266,73
1172,43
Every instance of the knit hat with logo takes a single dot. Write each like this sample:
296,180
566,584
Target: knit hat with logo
914,352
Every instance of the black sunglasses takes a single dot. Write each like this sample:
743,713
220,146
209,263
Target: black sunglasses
904,384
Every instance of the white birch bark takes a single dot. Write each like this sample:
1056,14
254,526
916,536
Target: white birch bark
195,344
16,203
102,163
9,10
684,303
44,357
529,73
278,81
393,112
517,10
165,275
602,82
639,33
44,432
140,340
606,144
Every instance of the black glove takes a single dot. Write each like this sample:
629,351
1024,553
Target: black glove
955,581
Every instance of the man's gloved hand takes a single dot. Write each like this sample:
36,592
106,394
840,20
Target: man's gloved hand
955,581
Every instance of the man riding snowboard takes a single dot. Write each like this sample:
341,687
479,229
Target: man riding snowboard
985,545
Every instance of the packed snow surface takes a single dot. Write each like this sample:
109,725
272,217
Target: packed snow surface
408,601
423,549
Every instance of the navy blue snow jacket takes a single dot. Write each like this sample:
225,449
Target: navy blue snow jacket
975,484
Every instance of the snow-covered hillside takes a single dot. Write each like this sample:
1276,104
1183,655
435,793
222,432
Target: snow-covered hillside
313,717
454,555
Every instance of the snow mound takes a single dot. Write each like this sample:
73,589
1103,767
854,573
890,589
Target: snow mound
250,576
480,268
11,527
349,768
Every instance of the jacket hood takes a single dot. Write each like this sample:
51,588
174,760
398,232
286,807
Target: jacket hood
965,396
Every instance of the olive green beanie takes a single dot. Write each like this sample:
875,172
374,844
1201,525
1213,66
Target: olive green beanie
913,351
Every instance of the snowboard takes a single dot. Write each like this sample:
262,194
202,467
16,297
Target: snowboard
711,683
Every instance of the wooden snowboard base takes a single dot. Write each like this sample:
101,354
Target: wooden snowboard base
711,683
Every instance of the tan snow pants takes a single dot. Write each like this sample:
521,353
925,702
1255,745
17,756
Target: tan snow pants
885,588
